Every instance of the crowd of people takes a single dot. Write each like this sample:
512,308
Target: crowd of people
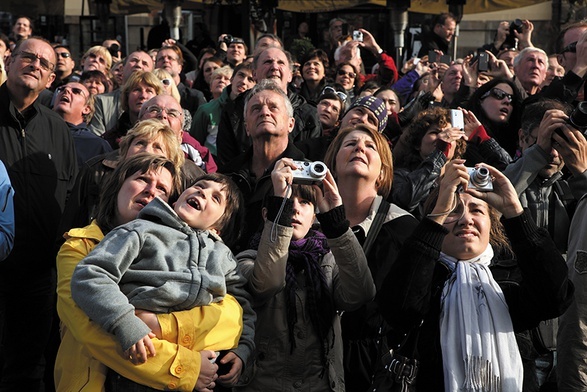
156,232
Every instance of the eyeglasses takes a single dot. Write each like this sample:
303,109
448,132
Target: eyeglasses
157,110
351,74
572,48
166,82
64,55
29,58
74,90
331,90
498,94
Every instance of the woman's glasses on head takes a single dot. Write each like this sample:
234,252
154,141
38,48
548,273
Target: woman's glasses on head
331,90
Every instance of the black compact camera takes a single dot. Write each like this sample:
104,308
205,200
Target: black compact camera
227,39
510,41
114,49
577,118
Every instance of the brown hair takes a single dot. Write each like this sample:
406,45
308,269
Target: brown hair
136,78
106,218
231,223
383,186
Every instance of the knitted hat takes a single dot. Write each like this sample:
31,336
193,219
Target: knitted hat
374,104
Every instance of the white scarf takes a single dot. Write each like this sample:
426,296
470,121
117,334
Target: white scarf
479,349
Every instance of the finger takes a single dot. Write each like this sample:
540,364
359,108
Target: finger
151,348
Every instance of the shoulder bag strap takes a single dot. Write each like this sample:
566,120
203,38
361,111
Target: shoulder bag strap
376,226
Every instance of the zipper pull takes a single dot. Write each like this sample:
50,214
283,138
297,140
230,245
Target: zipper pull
22,132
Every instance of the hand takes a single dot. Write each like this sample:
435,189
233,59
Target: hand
525,37
168,42
369,42
470,71
206,379
282,176
498,68
441,69
455,176
503,197
471,122
229,379
142,349
409,65
551,121
328,197
151,320
451,135
503,30
573,150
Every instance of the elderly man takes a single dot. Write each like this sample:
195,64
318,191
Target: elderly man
167,109
269,119
75,105
107,106
530,69
38,151
571,46
275,64
170,59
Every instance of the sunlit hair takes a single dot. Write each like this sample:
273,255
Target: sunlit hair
269,85
285,52
107,216
497,236
90,102
223,71
101,51
383,184
136,78
406,153
231,223
151,129
163,74
524,52
175,50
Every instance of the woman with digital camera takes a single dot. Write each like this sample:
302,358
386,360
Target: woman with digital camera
299,279
443,285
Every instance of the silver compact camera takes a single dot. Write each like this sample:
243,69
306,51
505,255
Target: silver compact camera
309,173
480,179
357,36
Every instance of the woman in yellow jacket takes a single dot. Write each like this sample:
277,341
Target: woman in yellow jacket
187,337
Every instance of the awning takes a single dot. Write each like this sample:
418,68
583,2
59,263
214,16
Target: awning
315,6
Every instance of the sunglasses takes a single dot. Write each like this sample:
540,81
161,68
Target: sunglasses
572,48
74,90
156,110
498,94
166,82
331,90
29,58
351,74
63,55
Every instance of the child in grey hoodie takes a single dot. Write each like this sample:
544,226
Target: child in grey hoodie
168,260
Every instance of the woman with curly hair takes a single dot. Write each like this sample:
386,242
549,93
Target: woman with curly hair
419,158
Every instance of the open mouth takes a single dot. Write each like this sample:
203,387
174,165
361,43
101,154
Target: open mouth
194,203
504,111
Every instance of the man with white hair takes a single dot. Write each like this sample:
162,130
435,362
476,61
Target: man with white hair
530,67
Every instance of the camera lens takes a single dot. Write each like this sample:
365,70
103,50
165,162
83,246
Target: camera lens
578,117
318,169
480,176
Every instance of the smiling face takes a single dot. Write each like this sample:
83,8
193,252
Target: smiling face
392,103
346,77
22,28
31,67
498,110
358,157
139,189
202,205
236,53
313,70
468,229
